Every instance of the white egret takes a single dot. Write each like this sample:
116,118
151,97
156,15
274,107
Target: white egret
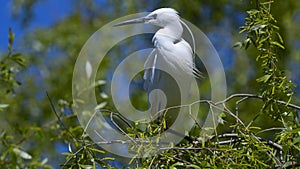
170,66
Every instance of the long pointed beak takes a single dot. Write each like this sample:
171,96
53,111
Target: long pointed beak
132,21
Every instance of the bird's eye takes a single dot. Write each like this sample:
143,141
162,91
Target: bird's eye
154,16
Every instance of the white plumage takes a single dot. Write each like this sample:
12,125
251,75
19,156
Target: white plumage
170,66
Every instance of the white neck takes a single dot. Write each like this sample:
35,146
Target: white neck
172,30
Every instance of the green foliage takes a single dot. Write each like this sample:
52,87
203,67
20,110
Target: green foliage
290,139
262,33
10,65
247,149
12,153
87,156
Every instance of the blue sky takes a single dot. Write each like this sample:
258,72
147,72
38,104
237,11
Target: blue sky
45,14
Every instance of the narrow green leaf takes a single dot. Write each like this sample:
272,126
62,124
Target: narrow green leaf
86,166
16,55
264,78
193,166
11,36
255,128
108,158
264,39
275,27
258,26
277,44
97,150
264,56
67,154
266,3
177,164
279,37
253,12
20,61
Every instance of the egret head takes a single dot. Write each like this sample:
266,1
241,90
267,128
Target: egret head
160,17
164,18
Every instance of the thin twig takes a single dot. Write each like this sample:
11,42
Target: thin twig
189,148
257,115
88,123
58,118
233,115
47,125
259,97
116,125
237,105
270,129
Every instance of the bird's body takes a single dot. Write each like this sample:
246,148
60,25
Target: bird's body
170,66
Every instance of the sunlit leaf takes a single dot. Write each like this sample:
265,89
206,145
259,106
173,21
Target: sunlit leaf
101,105
103,95
4,105
258,26
70,148
22,154
238,44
